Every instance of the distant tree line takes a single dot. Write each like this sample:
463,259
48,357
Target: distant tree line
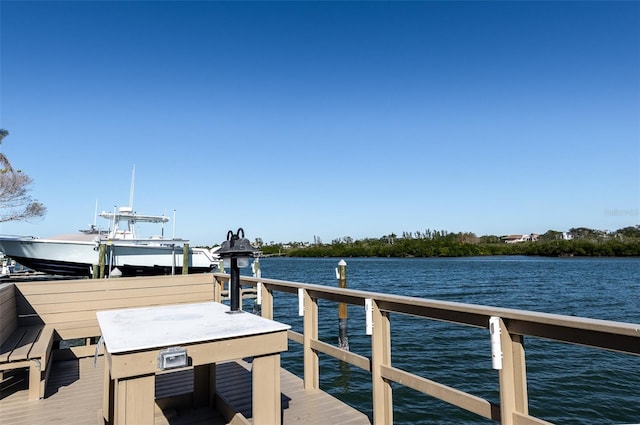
624,242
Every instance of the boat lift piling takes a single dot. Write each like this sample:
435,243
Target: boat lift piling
341,275
185,258
102,257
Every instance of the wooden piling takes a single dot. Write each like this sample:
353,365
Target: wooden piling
102,255
343,339
185,259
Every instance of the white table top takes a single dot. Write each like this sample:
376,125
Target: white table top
163,326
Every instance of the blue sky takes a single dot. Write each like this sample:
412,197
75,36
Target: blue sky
328,119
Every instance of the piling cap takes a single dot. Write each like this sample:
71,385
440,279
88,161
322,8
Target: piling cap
342,263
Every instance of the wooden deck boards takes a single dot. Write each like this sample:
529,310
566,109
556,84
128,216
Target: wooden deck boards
299,405
74,397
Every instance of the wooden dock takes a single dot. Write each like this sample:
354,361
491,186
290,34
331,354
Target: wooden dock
74,397
73,391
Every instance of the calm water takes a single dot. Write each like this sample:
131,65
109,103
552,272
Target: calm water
567,384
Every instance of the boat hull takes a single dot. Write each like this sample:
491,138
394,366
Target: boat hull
77,258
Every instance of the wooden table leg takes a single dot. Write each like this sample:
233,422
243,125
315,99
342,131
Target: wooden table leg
107,395
134,402
204,385
266,390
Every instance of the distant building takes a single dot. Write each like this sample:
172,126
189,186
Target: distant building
532,237
566,236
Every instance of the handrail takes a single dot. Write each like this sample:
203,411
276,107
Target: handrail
514,326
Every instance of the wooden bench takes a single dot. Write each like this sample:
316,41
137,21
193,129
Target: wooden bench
70,306
36,316
24,346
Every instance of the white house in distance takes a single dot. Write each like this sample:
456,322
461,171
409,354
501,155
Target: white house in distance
532,237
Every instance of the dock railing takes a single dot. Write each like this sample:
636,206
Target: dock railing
514,326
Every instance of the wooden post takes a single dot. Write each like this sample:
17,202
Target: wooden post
266,388
218,287
512,376
266,308
101,260
185,259
135,400
108,392
520,374
204,385
343,339
381,355
310,326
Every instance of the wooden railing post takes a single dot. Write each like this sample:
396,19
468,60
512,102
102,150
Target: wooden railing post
381,355
520,374
267,302
218,286
311,362
513,326
513,380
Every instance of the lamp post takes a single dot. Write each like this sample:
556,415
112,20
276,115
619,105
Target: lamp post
235,252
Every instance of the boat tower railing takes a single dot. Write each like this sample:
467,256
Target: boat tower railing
511,327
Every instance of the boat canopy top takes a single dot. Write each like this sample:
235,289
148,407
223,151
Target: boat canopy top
126,214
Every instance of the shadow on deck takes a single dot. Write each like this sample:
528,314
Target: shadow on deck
74,397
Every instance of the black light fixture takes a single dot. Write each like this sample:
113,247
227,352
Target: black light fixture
235,253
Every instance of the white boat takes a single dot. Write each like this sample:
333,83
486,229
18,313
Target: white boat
125,254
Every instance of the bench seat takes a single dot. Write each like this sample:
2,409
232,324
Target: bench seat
29,347
37,316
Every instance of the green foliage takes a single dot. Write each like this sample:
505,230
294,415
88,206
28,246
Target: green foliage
629,232
622,243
